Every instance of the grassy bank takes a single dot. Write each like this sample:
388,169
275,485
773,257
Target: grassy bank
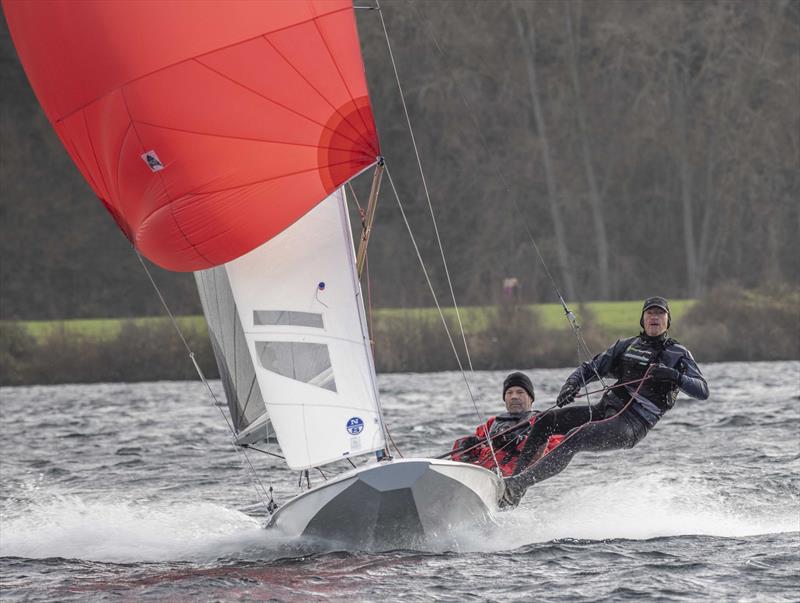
614,318
716,328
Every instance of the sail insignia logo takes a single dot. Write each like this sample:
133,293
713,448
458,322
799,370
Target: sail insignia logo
355,426
152,161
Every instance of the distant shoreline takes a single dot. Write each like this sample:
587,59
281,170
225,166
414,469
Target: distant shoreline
613,316
406,340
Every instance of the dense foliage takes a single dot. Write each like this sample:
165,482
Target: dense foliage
728,324
650,147
733,324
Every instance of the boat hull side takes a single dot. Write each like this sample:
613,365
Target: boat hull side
411,503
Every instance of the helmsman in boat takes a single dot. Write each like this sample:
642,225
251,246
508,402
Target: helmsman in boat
649,368
507,432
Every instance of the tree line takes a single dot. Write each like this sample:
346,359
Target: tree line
646,147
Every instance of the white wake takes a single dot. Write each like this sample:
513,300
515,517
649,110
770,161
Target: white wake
114,530
641,508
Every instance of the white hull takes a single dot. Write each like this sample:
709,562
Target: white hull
409,503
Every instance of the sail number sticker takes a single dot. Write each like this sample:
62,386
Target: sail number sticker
355,426
152,161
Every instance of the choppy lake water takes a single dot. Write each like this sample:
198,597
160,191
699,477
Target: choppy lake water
133,492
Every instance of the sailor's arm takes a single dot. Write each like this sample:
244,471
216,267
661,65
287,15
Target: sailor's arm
682,371
691,381
468,449
599,366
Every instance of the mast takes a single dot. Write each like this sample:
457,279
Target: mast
370,216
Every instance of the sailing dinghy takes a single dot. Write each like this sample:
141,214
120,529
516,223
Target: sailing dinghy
220,136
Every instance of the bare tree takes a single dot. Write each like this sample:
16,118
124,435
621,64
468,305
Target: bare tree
527,35
595,200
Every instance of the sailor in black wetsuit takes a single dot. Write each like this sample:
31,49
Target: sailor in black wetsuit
650,369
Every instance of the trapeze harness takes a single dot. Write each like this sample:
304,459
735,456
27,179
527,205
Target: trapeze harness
624,415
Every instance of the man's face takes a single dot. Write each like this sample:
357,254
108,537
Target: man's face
517,399
655,321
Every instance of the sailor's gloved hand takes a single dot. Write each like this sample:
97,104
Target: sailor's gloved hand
469,442
512,493
661,372
567,393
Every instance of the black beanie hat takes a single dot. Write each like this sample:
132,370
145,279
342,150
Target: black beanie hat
520,380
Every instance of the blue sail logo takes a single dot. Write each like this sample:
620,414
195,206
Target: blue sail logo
355,426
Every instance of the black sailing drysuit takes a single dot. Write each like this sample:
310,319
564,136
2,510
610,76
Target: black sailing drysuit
624,414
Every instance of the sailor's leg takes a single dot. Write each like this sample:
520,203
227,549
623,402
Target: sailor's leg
554,421
624,430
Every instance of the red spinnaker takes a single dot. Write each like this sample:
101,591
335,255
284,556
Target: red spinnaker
205,128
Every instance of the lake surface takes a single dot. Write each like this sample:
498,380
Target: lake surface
134,492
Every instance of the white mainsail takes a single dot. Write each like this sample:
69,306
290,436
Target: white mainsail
299,305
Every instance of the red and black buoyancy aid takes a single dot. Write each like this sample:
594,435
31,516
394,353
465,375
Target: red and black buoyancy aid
508,432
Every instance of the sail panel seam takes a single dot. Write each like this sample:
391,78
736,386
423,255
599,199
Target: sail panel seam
322,96
245,138
341,76
106,188
234,188
279,104
164,187
119,160
186,60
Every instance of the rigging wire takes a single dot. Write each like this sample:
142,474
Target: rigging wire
439,309
251,447
583,348
438,239
425,187
254,479
394,445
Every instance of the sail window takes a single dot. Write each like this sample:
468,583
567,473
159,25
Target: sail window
287,318
306,362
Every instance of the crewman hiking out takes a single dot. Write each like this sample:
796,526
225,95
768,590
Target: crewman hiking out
507,431
649,369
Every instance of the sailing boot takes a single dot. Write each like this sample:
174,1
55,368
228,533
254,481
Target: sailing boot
512,494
